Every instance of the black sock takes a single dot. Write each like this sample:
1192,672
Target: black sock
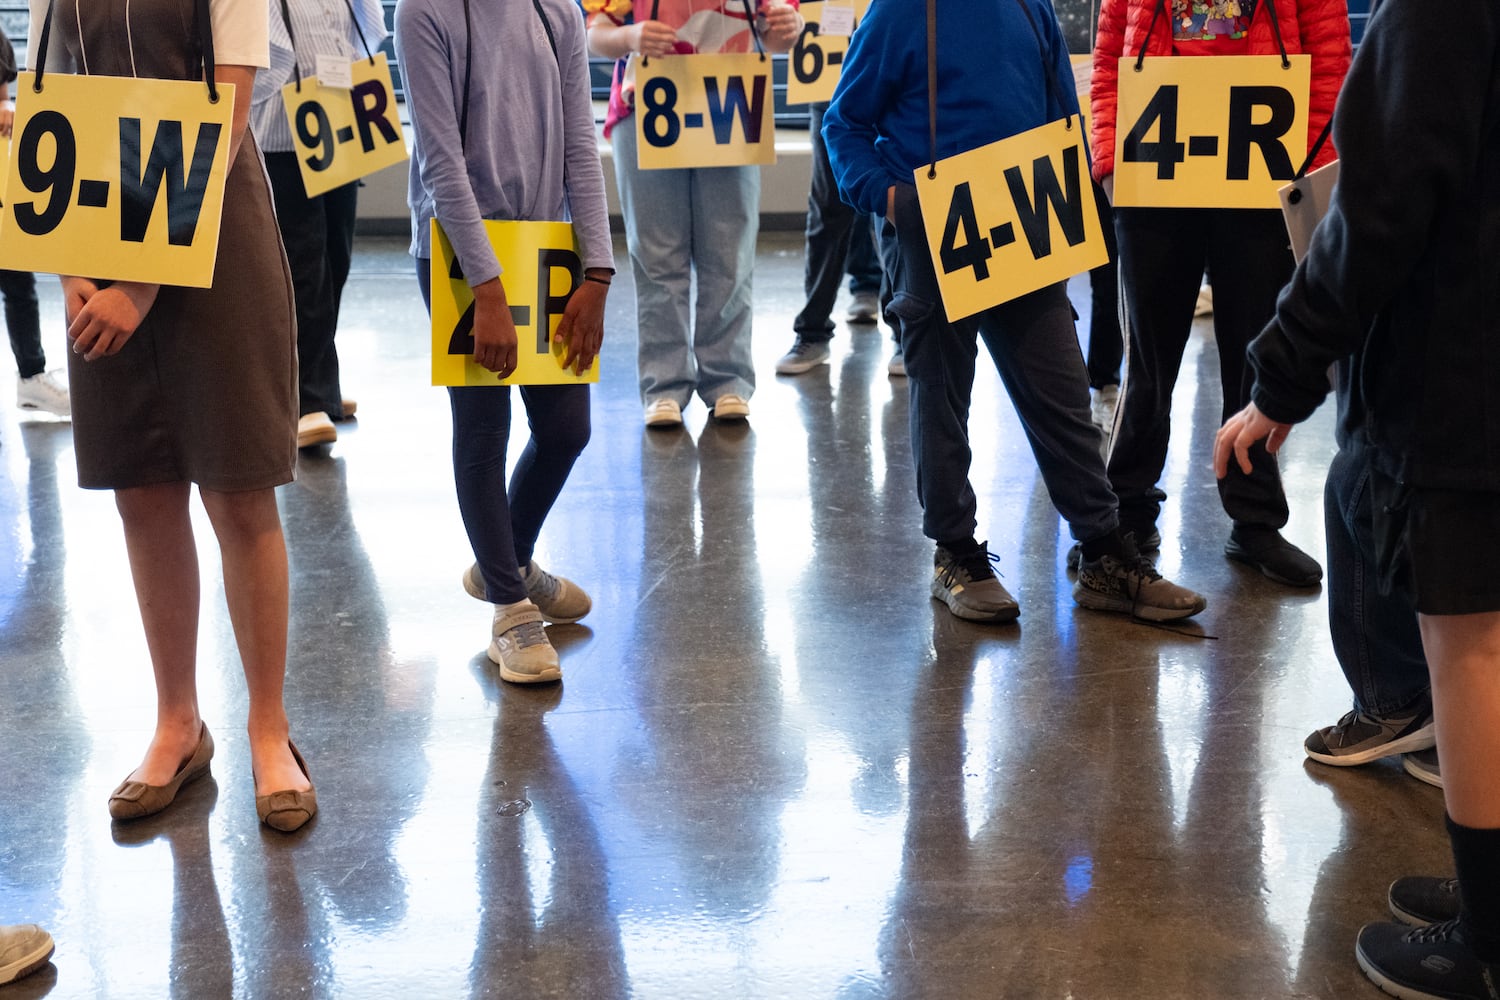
1476,853
1111,543
960,547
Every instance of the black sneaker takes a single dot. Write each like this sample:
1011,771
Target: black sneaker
1425,963
1420,900
969,587
1277,559
1132,585
1423,765
1359,738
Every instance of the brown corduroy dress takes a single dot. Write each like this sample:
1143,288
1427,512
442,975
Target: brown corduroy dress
206,389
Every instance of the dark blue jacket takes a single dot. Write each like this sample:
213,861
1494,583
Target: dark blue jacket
992,84
1403,275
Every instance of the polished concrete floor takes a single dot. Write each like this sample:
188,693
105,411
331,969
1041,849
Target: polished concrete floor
775,769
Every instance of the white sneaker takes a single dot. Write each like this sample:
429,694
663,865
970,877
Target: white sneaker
315,428
864,309
43,391
520,647
896,367
663,413
1102,405
731,407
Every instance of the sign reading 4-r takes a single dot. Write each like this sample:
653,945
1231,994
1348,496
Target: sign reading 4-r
1209,131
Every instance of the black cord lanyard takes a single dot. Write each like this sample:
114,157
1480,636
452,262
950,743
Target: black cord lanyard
286,17
463,114
203,26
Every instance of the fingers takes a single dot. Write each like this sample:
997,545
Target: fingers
1276,437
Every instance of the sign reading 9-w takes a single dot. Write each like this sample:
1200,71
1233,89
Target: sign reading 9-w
344,133
1011,217
116,178
1209,131
704,111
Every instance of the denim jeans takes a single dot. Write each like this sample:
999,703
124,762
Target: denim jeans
681,225
1375,635
1034,345
839,239
503,524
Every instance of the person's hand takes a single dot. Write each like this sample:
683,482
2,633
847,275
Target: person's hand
1240,432
104,319
783,25
652,38
890,204
7,118
581,329
1108,184
494,330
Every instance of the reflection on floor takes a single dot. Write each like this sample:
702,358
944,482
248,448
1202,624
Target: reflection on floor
776,767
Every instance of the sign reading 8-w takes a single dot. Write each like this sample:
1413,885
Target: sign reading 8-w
116,178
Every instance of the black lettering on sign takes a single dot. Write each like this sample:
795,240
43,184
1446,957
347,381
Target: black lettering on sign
461,341
550,305
974,251
1166,152
807,56
139,191
58,178
660,125
1244,133
313,130
735,102
369,109
1065,198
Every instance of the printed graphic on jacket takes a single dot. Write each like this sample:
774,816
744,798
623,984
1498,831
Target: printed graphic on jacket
1210,20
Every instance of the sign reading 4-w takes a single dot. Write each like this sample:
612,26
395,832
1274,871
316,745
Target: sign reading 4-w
704,111
116,178
1011,217
1209,131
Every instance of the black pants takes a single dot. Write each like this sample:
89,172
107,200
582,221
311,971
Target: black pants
1106,343
839,238
1034,345
23,322
1163,252
318,234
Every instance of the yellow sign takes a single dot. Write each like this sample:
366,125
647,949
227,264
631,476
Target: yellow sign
817,58
1209,131
116,178
1011,217
342,135
4,165
704,111
542,270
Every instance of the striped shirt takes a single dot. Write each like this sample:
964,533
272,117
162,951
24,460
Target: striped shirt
318,28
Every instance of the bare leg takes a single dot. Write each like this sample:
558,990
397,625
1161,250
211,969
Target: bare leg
1463,652
248,527
164,567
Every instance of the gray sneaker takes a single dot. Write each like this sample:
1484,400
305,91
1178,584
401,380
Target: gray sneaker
969,587
896,367
1359,738
1423,765
1133,586
520,646
804,356
560,600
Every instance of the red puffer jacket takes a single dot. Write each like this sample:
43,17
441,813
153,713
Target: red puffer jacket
1319,28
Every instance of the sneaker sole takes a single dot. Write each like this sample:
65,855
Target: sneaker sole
1436,781
323,435
507,674
26,965
1422,739
1122,605
799,369
1386,984
663,422
1006,613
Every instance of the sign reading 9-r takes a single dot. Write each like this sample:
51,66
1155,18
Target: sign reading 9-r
1209,132
325,121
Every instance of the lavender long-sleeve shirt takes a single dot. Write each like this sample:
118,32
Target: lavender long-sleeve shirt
530,153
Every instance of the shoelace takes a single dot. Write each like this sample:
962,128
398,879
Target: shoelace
975,566
529,634
1433,933
543,585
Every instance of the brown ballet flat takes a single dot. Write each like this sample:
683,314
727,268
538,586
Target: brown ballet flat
288,810
136,799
